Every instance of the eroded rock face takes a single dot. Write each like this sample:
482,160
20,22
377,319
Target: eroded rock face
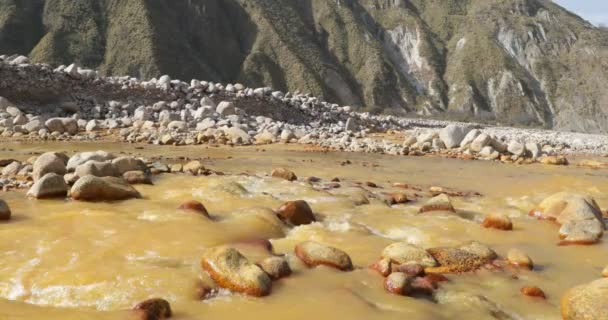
50,185
315,254
464,258
231,270
50,162
92,188
586,302
579,215
5,211
296,213
405,253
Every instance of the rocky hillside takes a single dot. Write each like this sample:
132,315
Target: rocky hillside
524,62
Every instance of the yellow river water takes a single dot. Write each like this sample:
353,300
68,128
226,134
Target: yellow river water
61,259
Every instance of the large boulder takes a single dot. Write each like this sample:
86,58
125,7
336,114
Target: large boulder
50,185
296,213
237,135
467,257
586,302
480,142
470,137
92,188
5,211
55,125
97,168
452,135
226,108
50,162
405,253
315,254
70,125
126,164
81,158
137,177
580,216
231,270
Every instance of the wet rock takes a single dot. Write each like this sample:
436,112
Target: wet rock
194,206
581,232
465,258
554,160
315,254
296,213
452,135
158,167
125,164
535,292
97,168
5,211
428,283
83,157
586,302
137,177
498,221
50,185
398,283
92,188
193,167
480,142
153,309
231,270
12,169
405,253
275,267
176,168
383,266
519,258
50,162
284,174
516,148
465,301
411,269
441,202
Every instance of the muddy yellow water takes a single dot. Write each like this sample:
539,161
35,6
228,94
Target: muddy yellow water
61,259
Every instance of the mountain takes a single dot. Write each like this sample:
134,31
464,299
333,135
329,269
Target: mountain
521,62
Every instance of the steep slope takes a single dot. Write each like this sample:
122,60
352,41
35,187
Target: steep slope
523,62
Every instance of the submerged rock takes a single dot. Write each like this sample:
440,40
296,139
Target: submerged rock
92,188
586,302
441,202
535,292
5,211
464,258
315,254
50,185
519,258
153,309
284,174
405,253
498,221
231,270
296,213
194,206
275,267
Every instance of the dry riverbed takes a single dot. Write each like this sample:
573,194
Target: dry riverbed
69,259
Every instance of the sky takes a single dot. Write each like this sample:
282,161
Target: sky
594,11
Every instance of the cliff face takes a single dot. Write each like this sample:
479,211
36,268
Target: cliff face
524,62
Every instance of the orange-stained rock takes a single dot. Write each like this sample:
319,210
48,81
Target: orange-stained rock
586,302
520,259
428,283
412,270
315,254
231,270
383,266
153,309
296,213
284,174
398,283
5,211
498,221
533,292
194,206
464,258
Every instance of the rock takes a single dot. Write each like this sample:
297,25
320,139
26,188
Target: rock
470,137
405,253
465,258
12,169
137,177
225,108
5,211
605,272
383,266
554,160
516,148
296,213
55,125
50,185
194,206
34,125
315,254
193,167
452,135
287,135
350,125
126,164
83,157
97,168
398,283
70,178
427,284
498,221
535,292
158,167
467,301
586,302
534,150
265,137
580,216
70,126
519,258
92,188
441,202
231,270
237,135
480,142
50,162
284,174
167,139
275,267
153,309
